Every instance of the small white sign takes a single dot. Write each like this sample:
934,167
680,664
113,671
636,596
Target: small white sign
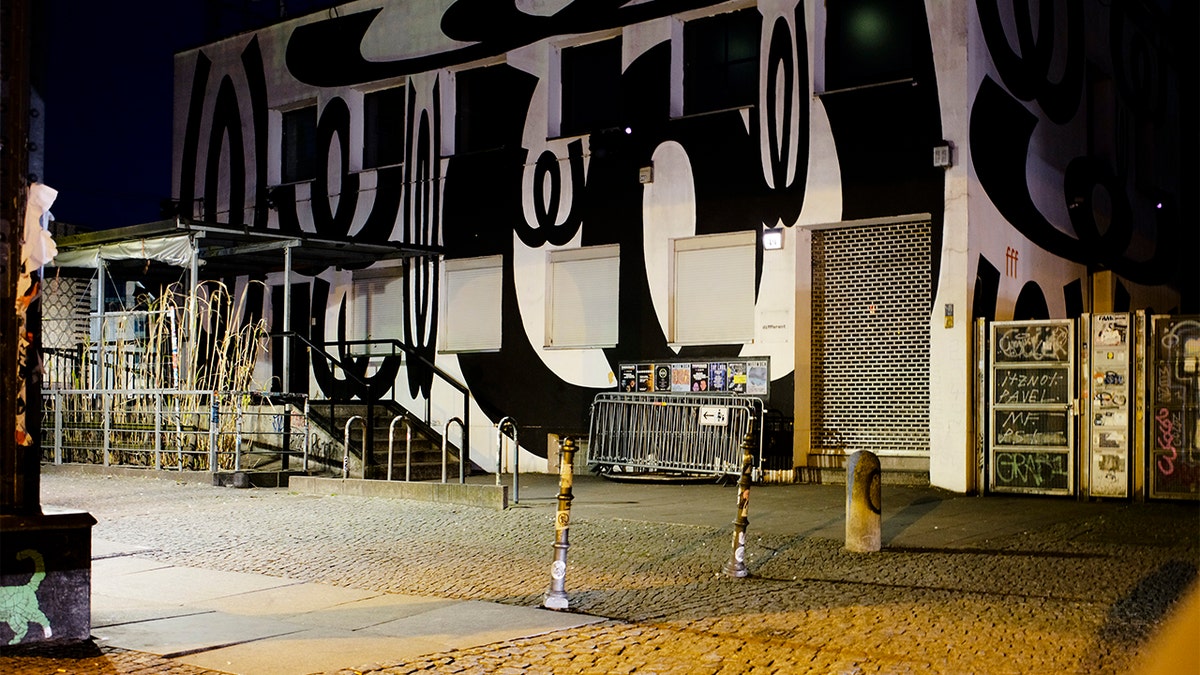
714,416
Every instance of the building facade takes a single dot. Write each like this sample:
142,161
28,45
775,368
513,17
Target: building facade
837,188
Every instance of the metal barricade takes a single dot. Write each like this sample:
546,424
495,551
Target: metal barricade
685,433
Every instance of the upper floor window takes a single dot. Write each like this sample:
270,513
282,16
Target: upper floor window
868,42
582,290
720,67
299,144
472,304
383,127
484,118
591,87
713,289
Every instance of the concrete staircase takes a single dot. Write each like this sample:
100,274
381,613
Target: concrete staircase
425,462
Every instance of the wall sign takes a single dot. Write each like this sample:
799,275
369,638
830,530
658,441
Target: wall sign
1031,441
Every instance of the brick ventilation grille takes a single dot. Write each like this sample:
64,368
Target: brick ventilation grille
870,371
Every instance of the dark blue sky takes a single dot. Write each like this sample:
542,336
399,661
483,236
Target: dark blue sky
105,74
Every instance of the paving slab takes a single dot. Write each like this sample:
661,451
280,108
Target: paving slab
181,585
313,651
179,635
471,623
290,601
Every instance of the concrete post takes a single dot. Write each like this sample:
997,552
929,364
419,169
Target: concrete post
736,567
863,502
556,596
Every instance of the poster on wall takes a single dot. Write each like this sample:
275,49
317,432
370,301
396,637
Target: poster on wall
1173,416
741,376
662,377
1109,399
681,377
1031,440
717,376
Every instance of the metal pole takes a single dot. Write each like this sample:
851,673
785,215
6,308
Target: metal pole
736,567
510,422
346,444
407,453
237,432
307,439
158,432
391,442
106,406
213,424
287,320
58,427
445,439
556,596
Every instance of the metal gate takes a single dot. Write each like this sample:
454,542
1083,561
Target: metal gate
871,299
642,433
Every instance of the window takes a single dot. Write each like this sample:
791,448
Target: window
484,118
472,304
583,287
713,289
591,87
720,68
868,42
300,144
383,127
376,308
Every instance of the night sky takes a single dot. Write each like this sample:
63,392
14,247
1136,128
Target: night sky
104,72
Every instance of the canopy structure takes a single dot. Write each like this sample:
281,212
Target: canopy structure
224,251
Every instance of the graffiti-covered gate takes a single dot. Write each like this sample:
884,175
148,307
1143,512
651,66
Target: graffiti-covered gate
1104,406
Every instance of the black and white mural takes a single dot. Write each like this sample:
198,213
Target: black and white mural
831,132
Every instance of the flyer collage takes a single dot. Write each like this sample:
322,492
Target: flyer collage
735,376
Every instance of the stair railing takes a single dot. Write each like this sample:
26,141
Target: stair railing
411,354
511,424
462,471
392,439
346,445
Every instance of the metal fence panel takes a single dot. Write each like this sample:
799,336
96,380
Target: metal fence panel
673,433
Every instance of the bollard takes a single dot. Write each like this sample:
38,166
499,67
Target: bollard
736,567
556,596
863,502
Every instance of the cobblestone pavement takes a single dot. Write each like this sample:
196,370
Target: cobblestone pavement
1081,596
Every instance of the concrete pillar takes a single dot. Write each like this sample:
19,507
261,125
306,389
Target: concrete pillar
863,502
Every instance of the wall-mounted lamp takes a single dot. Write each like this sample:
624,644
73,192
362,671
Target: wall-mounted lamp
772,239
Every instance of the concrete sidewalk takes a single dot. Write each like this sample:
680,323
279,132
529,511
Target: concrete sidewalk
253,623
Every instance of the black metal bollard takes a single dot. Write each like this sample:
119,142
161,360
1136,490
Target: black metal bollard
556,596
736,567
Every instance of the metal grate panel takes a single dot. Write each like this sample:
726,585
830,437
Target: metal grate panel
870,372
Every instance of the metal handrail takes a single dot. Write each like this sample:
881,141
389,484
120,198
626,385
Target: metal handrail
409,352
346,443
512,424
462,471
391,441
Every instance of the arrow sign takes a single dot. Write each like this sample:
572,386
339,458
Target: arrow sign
714,416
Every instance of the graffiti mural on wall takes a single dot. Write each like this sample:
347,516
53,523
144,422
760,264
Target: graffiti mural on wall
1071,139
1175,393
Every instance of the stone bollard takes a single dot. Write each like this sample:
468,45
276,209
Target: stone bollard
736,567
863,502
556,596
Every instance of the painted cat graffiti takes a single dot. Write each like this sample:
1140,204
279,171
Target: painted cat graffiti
19,605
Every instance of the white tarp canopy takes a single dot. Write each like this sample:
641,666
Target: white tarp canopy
176,250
